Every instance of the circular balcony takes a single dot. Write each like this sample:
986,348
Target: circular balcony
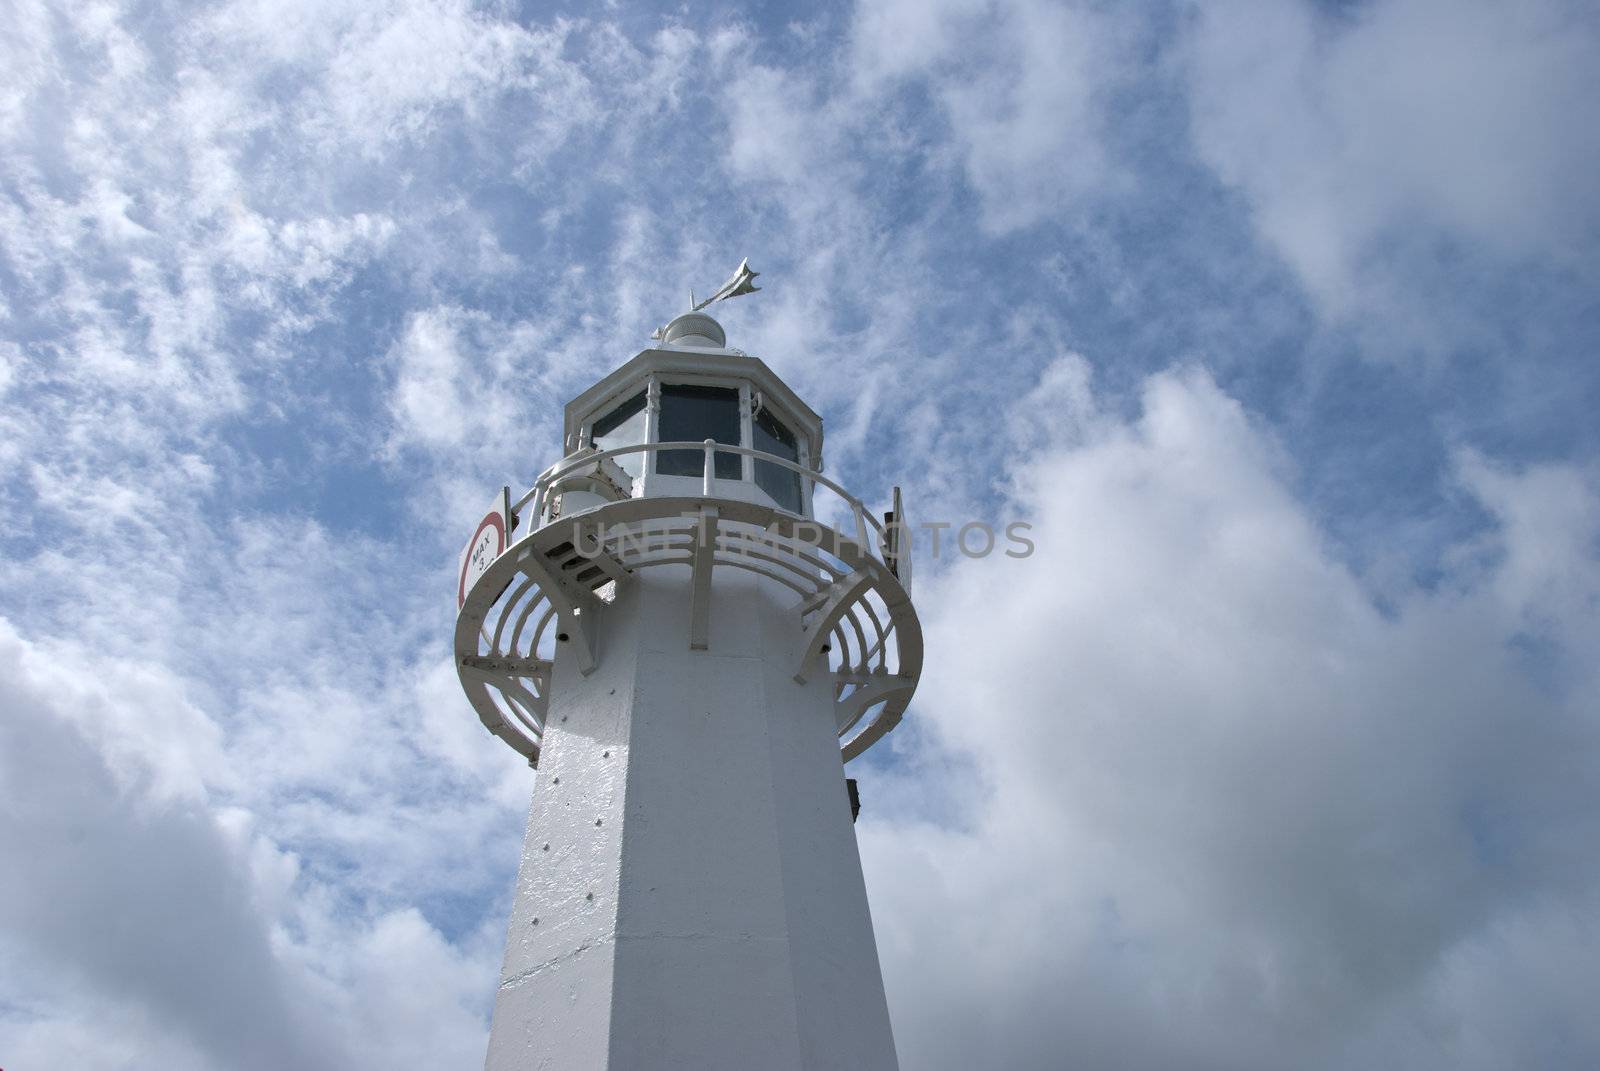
582,534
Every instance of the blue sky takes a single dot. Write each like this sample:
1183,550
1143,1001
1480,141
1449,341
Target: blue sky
1278,321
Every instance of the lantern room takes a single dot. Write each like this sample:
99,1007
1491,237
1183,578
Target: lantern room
677,403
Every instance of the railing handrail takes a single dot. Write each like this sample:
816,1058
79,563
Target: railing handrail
541,485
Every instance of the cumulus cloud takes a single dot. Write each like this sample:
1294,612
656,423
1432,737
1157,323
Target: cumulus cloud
152,919
1225,810
160,914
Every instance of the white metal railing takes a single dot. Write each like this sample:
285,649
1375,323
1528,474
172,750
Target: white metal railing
851,610
866,525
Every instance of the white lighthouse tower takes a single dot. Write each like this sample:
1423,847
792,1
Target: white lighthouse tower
687,628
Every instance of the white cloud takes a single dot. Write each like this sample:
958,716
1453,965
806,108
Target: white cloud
429,405
1544,562
151,918
1024,86
1364,138
1223,811
775,133
289,290
131,892
10,363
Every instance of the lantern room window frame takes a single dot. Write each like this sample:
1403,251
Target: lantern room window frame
651,383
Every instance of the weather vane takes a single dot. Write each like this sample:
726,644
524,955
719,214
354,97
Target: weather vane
740,283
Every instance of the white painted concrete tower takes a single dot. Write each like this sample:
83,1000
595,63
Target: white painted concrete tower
686,655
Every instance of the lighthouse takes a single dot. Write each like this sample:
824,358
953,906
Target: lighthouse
688,629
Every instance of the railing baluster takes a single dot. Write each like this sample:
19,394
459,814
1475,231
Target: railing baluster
710,445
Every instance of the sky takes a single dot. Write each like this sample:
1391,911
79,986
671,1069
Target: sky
1277,321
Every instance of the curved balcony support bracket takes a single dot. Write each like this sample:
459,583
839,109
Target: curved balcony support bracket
836,600
574,608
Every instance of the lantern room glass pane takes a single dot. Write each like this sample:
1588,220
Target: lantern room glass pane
623,426
695,414
782,484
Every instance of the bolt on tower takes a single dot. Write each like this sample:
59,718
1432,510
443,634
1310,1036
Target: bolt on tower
687,628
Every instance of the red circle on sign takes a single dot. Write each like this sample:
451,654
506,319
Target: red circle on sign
491,520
